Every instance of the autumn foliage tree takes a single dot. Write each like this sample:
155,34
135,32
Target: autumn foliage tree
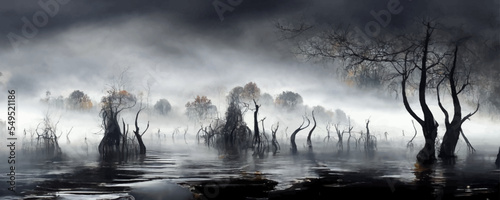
78,100
288,100
112,105
201,108
250,91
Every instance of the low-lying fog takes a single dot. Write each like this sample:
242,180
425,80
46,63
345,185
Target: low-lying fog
165,62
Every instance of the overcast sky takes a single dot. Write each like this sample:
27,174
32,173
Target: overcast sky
84,41
189,47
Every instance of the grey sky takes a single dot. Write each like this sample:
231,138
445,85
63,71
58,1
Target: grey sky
85,42
184,49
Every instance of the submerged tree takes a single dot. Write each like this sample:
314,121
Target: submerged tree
454,128
112,105
370,142
294,133
340,135
230,136
116,142
309,143
392,58
47,146
257,139
138,135
274,141
497,162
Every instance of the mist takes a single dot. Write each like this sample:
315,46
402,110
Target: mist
180,50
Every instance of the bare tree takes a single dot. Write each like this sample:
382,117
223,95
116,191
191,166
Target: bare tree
410,143
340,135
292,137
256,136
349,131
370,141
309,143
231,135
112,105
453,128
387,58
276,145
497,162
138,135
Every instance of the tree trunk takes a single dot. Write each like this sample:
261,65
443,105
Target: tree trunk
142,147
450,140
429,125
112,135
257,144
309,143
274,142
256,136
428,154
497,162
454,128
292,137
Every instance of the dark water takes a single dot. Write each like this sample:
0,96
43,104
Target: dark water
173,172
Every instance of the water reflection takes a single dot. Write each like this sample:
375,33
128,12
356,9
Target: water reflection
201,170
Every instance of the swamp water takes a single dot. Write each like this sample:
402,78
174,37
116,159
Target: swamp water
197,172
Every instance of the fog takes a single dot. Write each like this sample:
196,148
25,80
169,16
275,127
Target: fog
178,51
178,58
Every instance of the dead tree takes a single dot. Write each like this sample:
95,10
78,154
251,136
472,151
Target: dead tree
370,142
256,136
340,135
292,137
185,132
328,130
386,58
264,144
349,131
124,149
142,147
309,143
47,146
113,104
276,145
410,143
453,128
497,162
231,135
258,145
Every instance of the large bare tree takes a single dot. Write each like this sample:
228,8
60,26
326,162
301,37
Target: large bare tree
454,127
407,60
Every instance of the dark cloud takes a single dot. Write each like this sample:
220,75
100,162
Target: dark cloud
93,39
202,15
